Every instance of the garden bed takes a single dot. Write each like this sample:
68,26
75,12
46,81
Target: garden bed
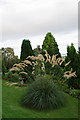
13,109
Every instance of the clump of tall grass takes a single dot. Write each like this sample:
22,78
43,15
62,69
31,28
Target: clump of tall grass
43,94
41,65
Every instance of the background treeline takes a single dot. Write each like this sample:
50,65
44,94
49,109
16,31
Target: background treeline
8,59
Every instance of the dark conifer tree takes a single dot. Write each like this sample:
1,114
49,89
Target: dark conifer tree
26,49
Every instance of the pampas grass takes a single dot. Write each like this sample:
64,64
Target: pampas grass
43,94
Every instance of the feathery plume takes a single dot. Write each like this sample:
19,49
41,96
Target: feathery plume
14,69
69,74
67,63
27,62
40,57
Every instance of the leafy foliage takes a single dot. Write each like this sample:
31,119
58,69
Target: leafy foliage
50,45
14,77
48,67
43,94
3,68
58,73
26,77
73,82
75,93
37,50
74,59
71,56
8,59
63,86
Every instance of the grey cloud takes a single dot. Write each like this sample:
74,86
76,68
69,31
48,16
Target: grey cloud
24,19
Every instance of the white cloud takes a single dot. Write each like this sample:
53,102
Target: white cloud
34,18
38,17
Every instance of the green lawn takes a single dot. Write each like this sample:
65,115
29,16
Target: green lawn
13,109
0,97
0,62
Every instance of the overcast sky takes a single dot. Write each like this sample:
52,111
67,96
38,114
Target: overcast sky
32,19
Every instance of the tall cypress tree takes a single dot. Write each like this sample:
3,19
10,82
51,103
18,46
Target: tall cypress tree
71,56
50,45
26,49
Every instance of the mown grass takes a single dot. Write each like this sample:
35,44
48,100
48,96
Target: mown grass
13,109
0,85
0,97
0,62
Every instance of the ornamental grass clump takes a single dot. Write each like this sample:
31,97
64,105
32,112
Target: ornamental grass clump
43,95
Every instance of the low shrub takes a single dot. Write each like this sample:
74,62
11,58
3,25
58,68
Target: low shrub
57,73
65,89
43,94
3,77
48,68
13,77
63,86
9,75
26,76
75,93
73,83
23,74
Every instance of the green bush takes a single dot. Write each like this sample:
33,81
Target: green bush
75,93
48,68
27,77
23,74
57,73
13,77
73,83
43,94
63,86
65,89
9,74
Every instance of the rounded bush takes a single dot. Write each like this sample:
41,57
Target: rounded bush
43,94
